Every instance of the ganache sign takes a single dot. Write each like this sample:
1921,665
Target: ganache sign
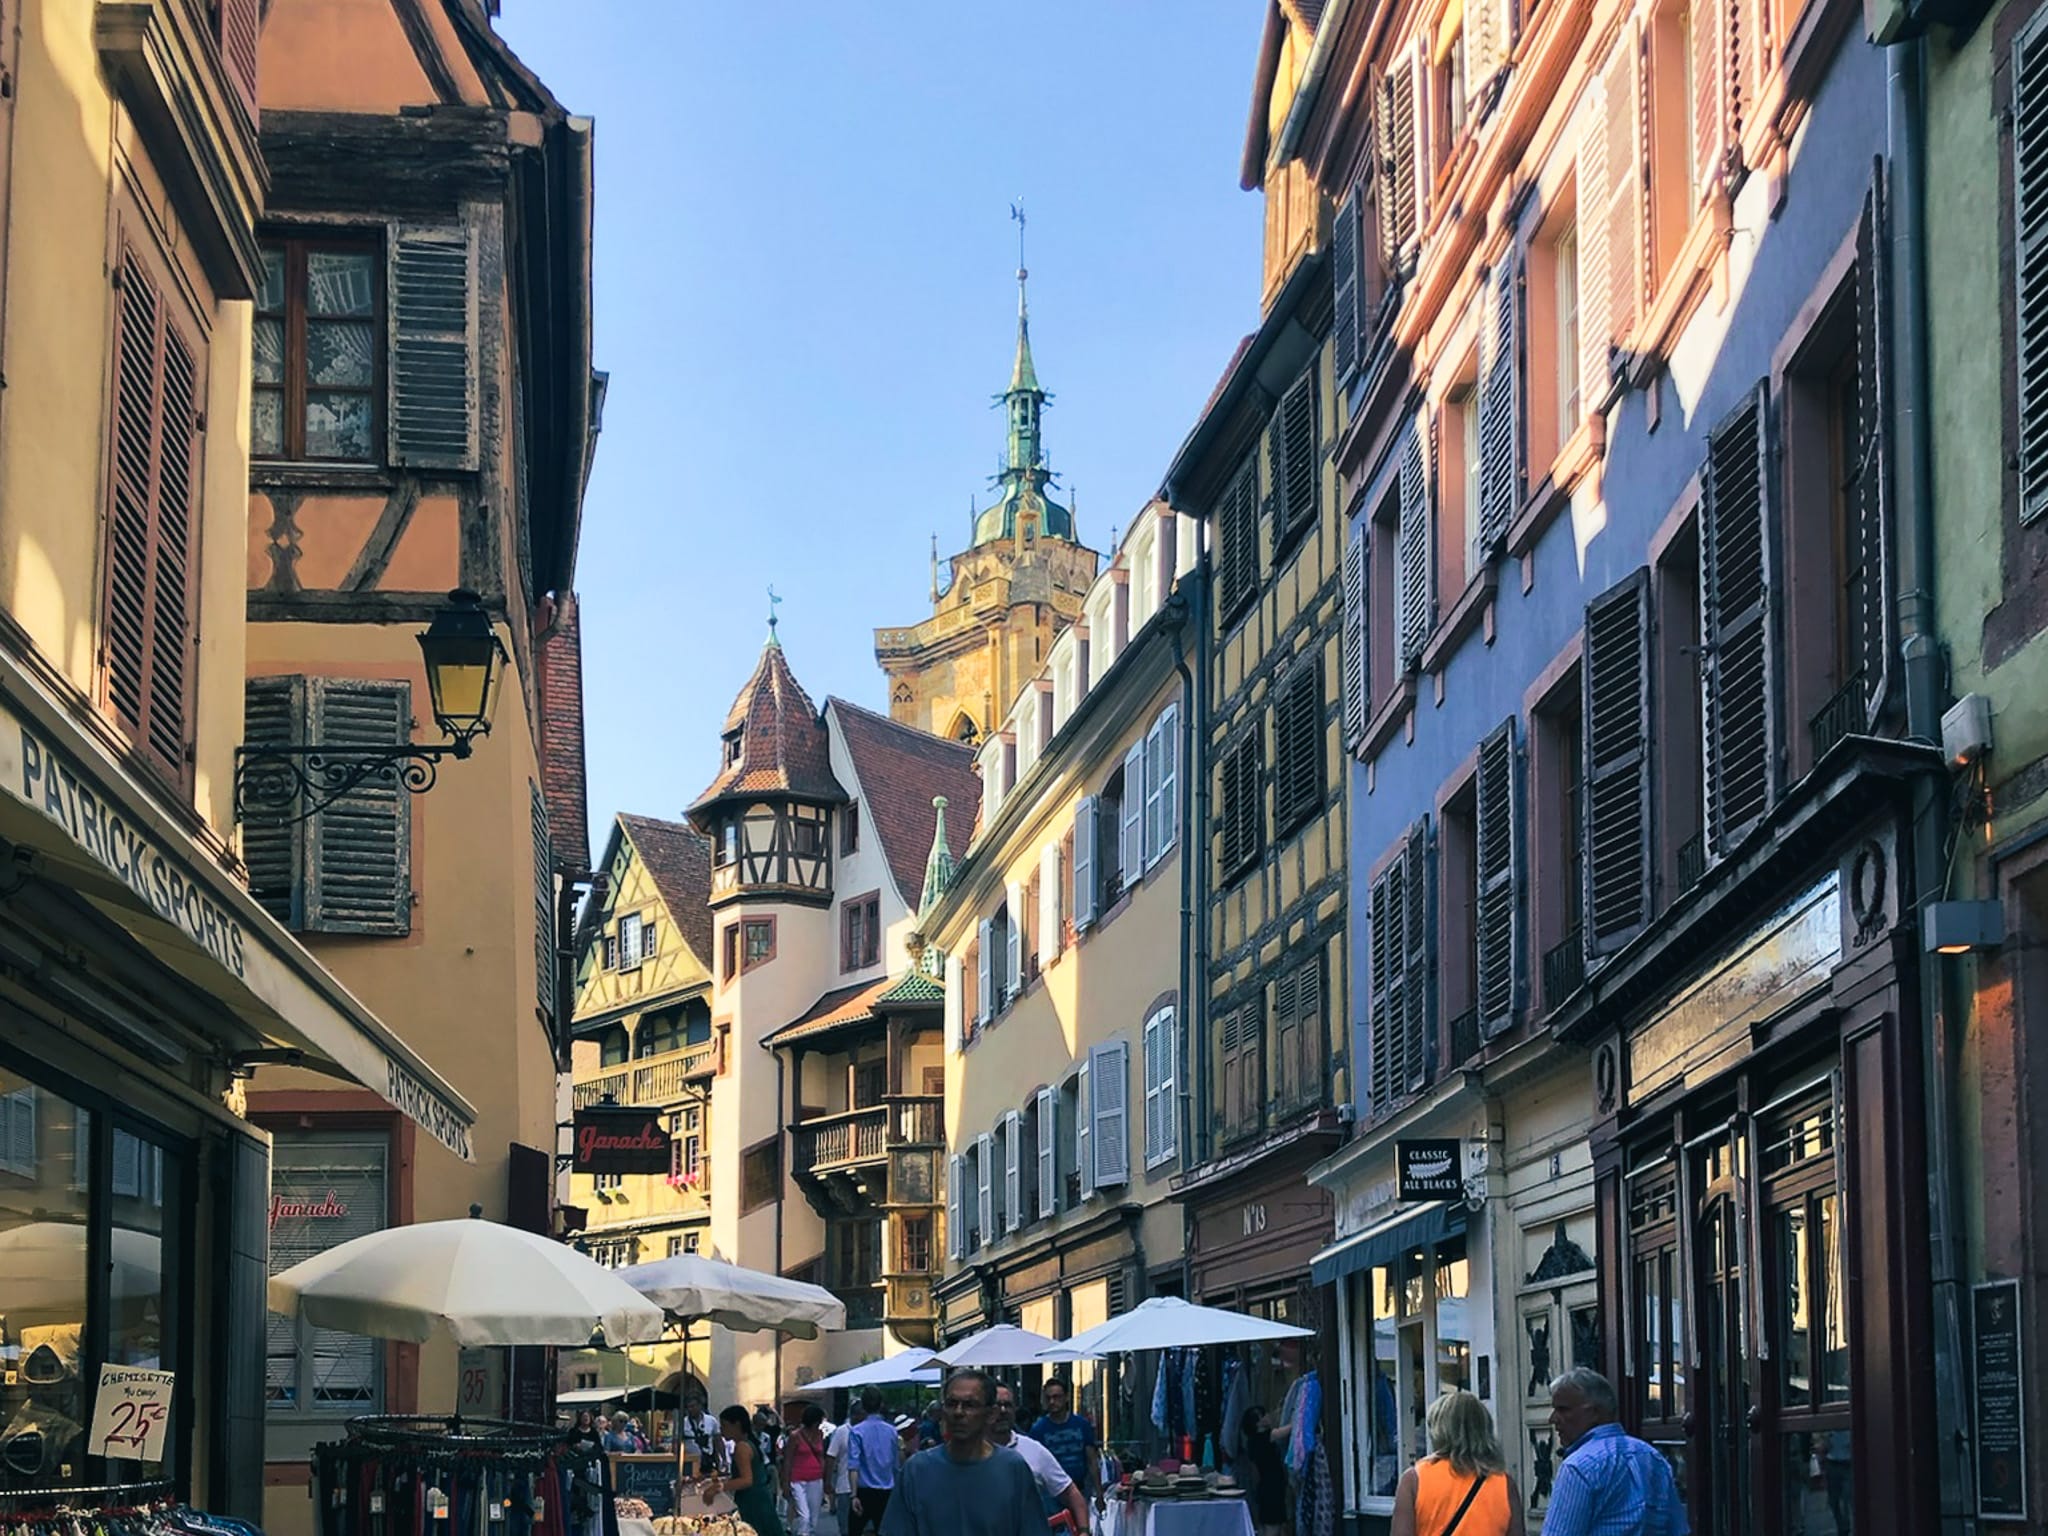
612,1140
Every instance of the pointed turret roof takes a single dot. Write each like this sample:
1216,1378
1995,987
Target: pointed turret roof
773,743
938,865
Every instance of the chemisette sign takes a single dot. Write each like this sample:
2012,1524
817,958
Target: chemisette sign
1431,1169
620,1141
130,1413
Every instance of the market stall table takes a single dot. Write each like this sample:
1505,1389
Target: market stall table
1188,1517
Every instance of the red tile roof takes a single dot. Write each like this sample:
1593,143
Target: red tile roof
782,743
563,783
678,860
900,769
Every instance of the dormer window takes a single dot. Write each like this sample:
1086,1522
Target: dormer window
732,744
729,845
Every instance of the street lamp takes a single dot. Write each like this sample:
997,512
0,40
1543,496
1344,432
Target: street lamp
280,785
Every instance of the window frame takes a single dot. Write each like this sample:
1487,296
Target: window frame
865,913
753,1160
296,246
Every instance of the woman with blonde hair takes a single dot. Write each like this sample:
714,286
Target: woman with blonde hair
1463,1485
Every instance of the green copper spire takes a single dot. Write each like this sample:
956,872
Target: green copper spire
938,868
1024,477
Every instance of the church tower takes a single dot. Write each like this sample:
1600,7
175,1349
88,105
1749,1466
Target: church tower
1008,595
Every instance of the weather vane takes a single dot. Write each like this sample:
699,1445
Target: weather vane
774,602
1017,213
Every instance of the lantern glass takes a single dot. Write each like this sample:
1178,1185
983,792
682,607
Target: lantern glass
462,652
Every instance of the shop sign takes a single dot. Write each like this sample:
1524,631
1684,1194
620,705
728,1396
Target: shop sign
1431,1169
620,1141
283,1208
130,1413
2001,1409
480,1383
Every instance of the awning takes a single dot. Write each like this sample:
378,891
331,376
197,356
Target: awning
1416,1228
94,829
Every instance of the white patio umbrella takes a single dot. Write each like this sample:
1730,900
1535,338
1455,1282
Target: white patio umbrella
1002,1344
1167,1322
693,1286
912,1367
480,1282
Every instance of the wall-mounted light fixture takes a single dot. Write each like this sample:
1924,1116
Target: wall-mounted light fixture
1961,927
276,786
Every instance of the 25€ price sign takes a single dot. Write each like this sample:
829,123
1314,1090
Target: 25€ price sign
130,1413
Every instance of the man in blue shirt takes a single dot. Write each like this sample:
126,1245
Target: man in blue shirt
872,1453
1071,1439
1609,1483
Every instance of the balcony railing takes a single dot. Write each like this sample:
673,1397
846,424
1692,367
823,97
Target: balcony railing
651,1080
1842,715
1564,969
1464,1037
830,1142
612,1085
920,1120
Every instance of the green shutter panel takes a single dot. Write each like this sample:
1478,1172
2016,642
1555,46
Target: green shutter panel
1418,975
1499,916
1293,437
1357,674
1500,414
544,954
1869,560
360,847
273,715
1345,285
1414,578
1736,573
2030,261
433,305
1615,679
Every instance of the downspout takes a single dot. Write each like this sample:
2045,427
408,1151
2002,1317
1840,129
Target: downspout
1318,65
1921,652
1189,1013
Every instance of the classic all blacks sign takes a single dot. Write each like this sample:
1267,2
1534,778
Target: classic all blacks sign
610,1140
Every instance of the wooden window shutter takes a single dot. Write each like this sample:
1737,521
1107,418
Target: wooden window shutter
955,1177
1131,818
1595,327
1346,284
273,715
1486,50
1500,407
1298,747
1750,47
1499,816
433,309
1712,90
1049,936
1048,1151
1291,438
1285,1020
1626,228
2030,263
1084,864
1241,537
238,25
1308,1031
1084,1118
1400,220
147,629
984,971
1415,576
1242,823
1736,574
1871,622
1109,1073
1385,1021
1418,974
956,1003
1357,687
1616,702
1162,783
359,849
985,1187
1013,1171
544,906
1013,941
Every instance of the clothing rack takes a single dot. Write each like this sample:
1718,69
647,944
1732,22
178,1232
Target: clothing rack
101,1496
449,1475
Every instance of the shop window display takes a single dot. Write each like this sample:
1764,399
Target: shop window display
1422,1346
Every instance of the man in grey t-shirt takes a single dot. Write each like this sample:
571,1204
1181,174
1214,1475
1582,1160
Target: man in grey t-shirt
965,1487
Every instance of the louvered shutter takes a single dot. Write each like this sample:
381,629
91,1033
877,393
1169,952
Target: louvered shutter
1595,318
1013,1171
985,1188
1712,90
433,308
237,26
1084,1127
1401,175
544,907
1049,935
1740,674
18,1136
1286,1021
1387,998
955,1178
1109,1074
1048,1151
956,1001
1870,622
1162,1072
359,849
1500,407
1417,974
1131,816
1750,48
1084,864
1239,558
985,963
1623,194
1357,685
1292,450
1309,1034
273,715
1162,784
1415,576
1499,917
1346,285
1615,679
1486,49
1013,941
2030,262
1242,821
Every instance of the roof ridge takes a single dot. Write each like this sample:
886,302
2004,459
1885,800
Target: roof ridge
904,727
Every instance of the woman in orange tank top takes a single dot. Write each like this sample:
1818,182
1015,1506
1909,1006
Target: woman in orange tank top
1463,1484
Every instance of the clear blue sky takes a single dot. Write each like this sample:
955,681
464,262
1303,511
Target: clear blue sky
806,296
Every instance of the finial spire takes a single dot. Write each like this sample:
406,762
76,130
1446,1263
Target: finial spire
1023,377
774,602
938,867
935,567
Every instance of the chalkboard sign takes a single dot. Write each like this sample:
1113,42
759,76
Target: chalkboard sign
2001,1410
652,1478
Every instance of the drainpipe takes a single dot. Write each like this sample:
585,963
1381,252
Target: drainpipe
1921,652
1190,777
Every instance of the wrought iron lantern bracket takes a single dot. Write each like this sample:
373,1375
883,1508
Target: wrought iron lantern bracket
281,786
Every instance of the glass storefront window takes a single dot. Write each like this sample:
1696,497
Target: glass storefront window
1453,1325
1383,1432
1422,1345
326,1187
1795,1369
1834,1338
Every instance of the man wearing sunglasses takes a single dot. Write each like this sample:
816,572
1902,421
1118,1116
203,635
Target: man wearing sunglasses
965,1487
